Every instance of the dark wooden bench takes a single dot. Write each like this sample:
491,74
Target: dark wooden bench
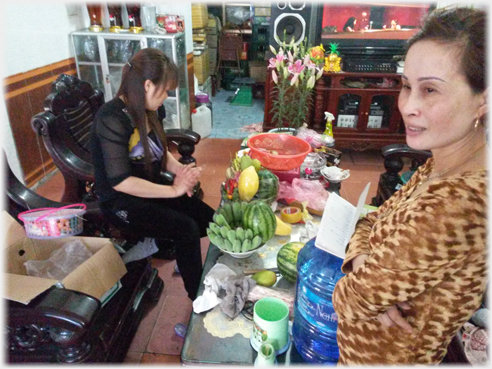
67,326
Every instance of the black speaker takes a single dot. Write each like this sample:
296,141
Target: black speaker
291,19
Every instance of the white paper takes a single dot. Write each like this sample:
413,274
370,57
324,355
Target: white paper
375,121
141,250
338,223
349,121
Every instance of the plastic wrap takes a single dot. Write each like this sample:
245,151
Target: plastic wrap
61,263
304,190
311,136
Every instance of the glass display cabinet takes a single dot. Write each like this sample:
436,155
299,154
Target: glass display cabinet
101,56
365,106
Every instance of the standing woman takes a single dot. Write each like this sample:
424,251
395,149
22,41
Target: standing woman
129,153
416,268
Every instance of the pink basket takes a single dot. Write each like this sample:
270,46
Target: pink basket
47,223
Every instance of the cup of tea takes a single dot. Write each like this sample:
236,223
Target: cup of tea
271,324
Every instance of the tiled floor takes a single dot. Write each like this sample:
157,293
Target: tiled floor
229,120
155,341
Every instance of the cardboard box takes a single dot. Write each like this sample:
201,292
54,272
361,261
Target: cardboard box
199,15
213,56
95,276
201,66
213,41
258,70
206,86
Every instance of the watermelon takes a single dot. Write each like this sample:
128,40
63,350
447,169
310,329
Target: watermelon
268,187
287,260
260,218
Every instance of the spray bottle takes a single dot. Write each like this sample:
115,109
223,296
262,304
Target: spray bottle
329,127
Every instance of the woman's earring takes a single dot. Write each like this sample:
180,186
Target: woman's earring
477,122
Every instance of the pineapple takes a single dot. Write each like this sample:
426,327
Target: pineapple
332,61
333,57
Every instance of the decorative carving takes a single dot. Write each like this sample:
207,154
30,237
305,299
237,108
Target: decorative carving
28,337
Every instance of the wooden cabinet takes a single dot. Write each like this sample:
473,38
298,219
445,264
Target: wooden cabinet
365,106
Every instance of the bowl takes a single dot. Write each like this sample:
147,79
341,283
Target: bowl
278,151
335,174
241,255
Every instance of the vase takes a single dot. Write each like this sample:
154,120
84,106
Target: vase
266,355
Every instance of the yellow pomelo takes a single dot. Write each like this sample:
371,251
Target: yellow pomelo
248,184
283,229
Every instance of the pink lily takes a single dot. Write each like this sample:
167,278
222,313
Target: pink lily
274,77
290,56
275,62
307,62
296,68
294,79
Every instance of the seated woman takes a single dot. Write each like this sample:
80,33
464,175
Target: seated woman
129,153
416,268
350,25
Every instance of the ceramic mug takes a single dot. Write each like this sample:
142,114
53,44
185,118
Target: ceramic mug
271,323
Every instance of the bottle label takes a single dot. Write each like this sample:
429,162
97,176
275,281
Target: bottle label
315,309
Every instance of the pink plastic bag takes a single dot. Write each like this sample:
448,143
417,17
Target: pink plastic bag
311,136
304,190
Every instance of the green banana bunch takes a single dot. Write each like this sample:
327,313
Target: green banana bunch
230,239
232,213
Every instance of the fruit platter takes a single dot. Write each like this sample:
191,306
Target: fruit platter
247,180
245,221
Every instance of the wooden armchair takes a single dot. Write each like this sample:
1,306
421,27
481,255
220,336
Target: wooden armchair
67,326
65,124
391,181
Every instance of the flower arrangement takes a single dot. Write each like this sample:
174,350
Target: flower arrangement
295,70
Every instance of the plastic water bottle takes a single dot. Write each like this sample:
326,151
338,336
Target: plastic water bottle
315,322
201,121
202,98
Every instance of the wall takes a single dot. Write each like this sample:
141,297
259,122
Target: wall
36,36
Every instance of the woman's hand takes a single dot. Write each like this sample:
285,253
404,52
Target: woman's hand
186,178
358,261
393,317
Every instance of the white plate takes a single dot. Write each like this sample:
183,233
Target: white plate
241,255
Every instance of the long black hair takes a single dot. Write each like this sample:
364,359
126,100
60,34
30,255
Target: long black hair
350,23
147,64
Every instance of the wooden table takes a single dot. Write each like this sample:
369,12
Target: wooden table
201,347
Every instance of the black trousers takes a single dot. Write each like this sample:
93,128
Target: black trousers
183,219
